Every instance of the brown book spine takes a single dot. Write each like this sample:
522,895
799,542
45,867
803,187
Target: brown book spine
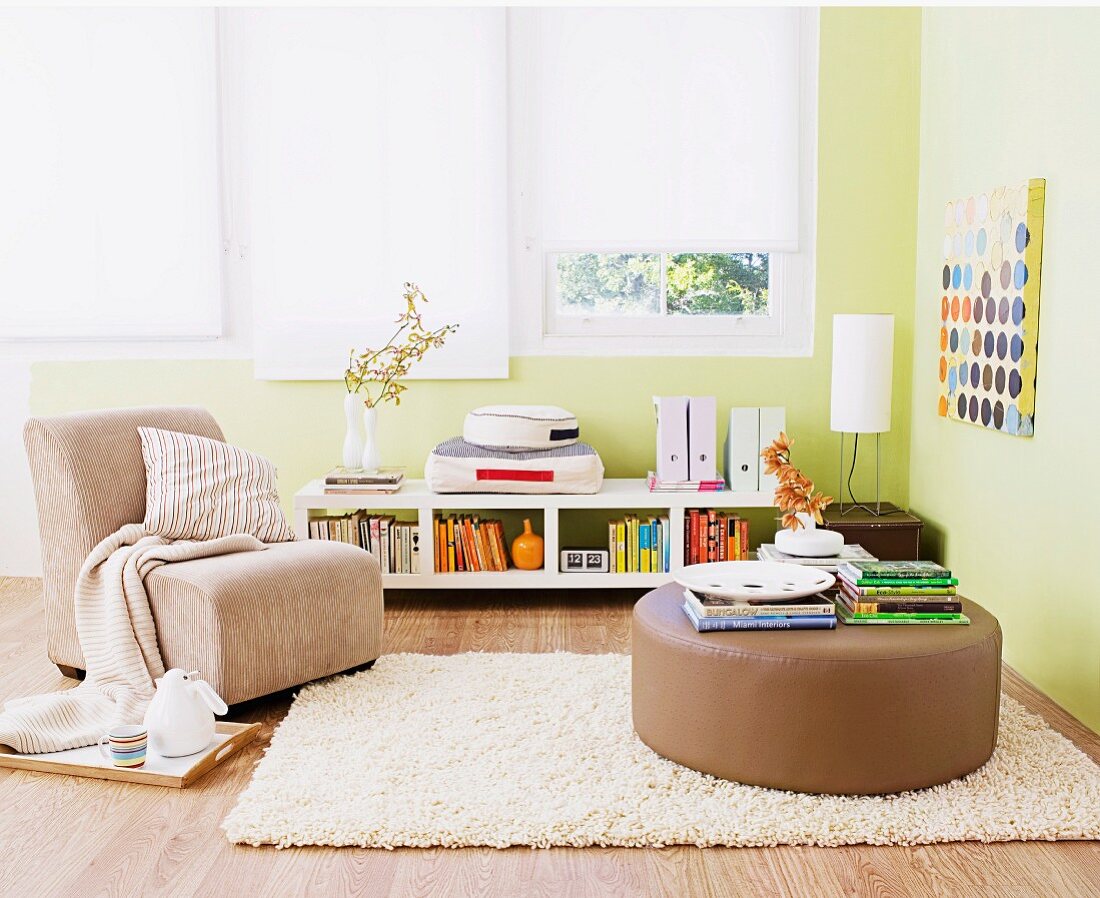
474,557
502,545
479,546
435,544
947,606
491,547
712,535
460,549
492,552
468,529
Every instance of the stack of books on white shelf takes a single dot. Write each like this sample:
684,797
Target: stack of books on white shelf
708,613
360,482
851,552
639,545
396,544
656,485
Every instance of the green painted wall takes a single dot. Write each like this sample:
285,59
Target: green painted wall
1011,94
867,182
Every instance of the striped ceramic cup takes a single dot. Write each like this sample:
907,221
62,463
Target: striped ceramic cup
125,746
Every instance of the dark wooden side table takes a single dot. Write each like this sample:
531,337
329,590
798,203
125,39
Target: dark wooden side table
892,536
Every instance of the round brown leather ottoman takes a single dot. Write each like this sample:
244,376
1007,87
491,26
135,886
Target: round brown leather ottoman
856,710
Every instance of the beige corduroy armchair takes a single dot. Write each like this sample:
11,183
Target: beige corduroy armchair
252,622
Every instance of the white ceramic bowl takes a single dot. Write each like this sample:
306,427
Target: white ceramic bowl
759,581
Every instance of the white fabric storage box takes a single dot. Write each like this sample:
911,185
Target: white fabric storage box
456,466
520,427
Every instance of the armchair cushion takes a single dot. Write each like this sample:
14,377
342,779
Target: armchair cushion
198,488
258,622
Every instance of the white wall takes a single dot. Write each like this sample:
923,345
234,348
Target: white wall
19,551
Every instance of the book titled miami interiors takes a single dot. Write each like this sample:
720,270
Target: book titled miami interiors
791,622
708,624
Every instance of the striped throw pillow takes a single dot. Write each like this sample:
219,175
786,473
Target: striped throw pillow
198,488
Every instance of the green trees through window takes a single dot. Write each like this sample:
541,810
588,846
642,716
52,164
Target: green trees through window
662,284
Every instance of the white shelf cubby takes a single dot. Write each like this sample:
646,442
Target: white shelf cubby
618,495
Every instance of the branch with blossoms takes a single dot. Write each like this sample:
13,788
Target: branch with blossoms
795,492
378,372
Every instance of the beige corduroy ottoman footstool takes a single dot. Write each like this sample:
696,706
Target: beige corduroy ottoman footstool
856,710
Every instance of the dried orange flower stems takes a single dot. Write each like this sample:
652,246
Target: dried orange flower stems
795,492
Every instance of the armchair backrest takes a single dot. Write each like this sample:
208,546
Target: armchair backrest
89,480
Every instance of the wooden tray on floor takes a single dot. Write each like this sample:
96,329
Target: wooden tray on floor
177,773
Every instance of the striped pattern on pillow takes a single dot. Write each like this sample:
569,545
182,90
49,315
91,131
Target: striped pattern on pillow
198,488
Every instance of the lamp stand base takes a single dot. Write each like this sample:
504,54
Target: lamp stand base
876,510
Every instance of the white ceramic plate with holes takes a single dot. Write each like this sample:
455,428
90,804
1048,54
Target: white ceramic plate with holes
754,581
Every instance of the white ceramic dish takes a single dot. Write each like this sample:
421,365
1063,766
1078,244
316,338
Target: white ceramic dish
754,581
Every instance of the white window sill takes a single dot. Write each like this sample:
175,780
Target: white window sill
676,345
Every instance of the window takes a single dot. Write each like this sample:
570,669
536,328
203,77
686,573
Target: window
109,174
607,293
376,147
665,168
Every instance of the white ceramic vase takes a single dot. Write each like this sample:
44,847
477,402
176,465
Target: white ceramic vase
808,541
353,438
371,461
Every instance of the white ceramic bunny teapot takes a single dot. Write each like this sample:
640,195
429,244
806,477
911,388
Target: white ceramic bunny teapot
180,718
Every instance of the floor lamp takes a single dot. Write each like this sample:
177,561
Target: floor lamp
863,364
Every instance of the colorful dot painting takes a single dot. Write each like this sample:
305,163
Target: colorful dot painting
992,258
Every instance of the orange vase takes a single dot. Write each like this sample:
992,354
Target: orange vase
527,549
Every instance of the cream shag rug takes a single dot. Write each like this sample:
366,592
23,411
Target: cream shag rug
510,749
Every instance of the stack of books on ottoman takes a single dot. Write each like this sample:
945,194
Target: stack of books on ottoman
708,613
897,592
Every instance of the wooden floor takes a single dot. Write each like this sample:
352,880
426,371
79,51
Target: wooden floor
62,836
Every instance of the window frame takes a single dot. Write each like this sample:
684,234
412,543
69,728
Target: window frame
537,327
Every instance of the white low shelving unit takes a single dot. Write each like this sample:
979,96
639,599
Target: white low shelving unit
616,496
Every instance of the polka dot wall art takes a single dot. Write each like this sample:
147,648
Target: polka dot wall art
989,307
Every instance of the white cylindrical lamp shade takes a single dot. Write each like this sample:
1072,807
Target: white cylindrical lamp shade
863,365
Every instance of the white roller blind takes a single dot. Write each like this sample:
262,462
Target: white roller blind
376,144
667,128
109,220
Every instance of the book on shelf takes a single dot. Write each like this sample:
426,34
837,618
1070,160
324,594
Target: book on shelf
656,485
711,535
639,544
847,617
393,543
706,606
795,622
342,476
468,544
830,563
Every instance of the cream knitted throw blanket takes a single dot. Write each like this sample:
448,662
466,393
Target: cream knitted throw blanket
118,639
